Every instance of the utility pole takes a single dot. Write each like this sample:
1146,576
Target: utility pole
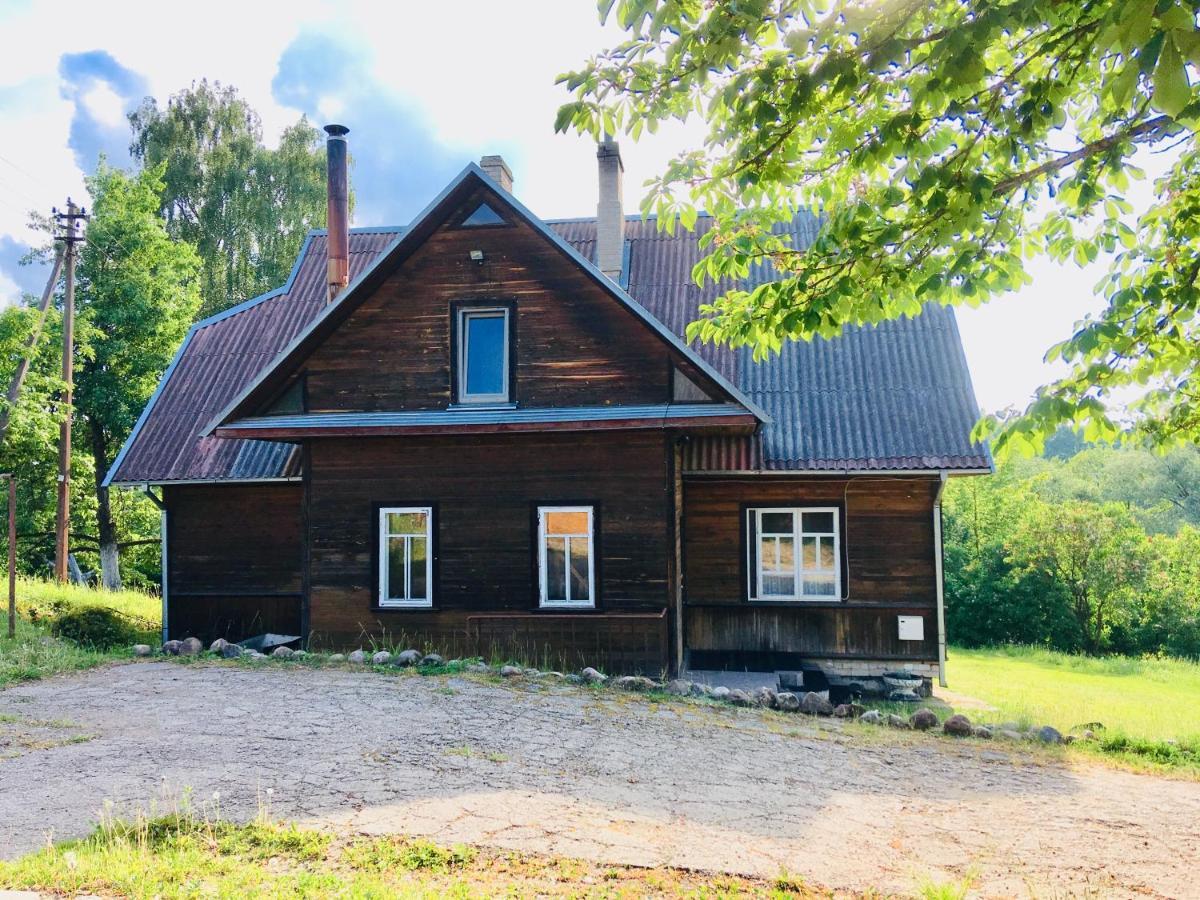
70,237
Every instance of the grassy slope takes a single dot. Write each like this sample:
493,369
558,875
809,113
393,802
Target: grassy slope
1148,699
34,653
186,856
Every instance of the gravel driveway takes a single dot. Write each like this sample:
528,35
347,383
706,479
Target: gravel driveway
558,770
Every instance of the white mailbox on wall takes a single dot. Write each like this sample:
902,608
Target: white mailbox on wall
911,628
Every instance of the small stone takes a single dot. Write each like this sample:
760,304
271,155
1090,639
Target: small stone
957,725
787,701
408,658
574,678
740,698
720,693
299,654
232,651
218,645
1007,734
679,687
764,697
1070,739
142,650
981,731
895,721
432,659
591,676
254,655
923,720
479,668
337,657
532,673
283,653
1088,734
815,705
381,658
552,676
357,657
871,717
511,671
634,683
190,646
171,648
699,689
1048,734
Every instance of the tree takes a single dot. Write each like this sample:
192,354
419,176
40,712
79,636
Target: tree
245,207
138,293
946,142
1098,554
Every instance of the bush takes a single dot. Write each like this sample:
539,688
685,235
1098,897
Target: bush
95,627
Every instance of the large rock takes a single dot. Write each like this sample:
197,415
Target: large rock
337,657
699,689
218,645
407,658
787,701
679,687
923,720
381,658
190,646
591,676
871,717
895,721
740,698
432,659
981,731
511,671
815,705
479,668
357,656
764,697
1007,734
634,683
300,654
847,711
283,653
231,651
720,693
142,650
957,725
1048,734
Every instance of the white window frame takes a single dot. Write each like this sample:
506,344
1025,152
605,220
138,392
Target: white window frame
464,315
543,582
754,575
406,601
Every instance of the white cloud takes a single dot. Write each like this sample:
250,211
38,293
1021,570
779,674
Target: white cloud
105,105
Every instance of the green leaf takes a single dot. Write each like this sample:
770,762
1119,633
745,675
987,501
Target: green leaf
1172,92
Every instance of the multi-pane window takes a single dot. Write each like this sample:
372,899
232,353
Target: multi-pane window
565,556
405,556
794,554
483,355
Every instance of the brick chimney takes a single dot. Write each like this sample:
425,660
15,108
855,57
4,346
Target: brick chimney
610,212
337,215
497,170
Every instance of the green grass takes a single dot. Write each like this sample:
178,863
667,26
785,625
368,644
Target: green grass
34,653
1147,707
183,855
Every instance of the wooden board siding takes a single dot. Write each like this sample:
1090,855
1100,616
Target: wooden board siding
485,490
573,345
887,546
234,560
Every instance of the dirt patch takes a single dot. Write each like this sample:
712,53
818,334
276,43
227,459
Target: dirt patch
559,770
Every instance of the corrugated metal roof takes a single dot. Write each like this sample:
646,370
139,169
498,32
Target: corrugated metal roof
895,396
465,417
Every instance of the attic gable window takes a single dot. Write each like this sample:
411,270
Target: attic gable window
482,216
483,363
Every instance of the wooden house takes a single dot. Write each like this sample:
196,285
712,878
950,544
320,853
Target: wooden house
484,432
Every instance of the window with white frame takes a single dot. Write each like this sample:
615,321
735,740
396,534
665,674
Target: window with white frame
566,564
406,556
795,553
483,361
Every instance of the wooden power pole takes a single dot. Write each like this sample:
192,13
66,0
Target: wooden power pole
70,237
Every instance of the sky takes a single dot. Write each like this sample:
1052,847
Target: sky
423,87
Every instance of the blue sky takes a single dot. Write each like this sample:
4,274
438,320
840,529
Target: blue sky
424,88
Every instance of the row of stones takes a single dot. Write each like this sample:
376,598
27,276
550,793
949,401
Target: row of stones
810,703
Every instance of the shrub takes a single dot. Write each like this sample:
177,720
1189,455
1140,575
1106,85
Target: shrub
94,626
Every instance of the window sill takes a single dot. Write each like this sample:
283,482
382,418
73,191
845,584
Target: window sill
567,607
481,404
401,607
794,601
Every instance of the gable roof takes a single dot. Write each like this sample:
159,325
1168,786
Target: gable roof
270,378
890,397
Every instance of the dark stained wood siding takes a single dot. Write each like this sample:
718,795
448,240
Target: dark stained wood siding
485,490
234,560
574,344
888,555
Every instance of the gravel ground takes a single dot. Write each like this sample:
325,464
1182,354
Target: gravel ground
557,769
